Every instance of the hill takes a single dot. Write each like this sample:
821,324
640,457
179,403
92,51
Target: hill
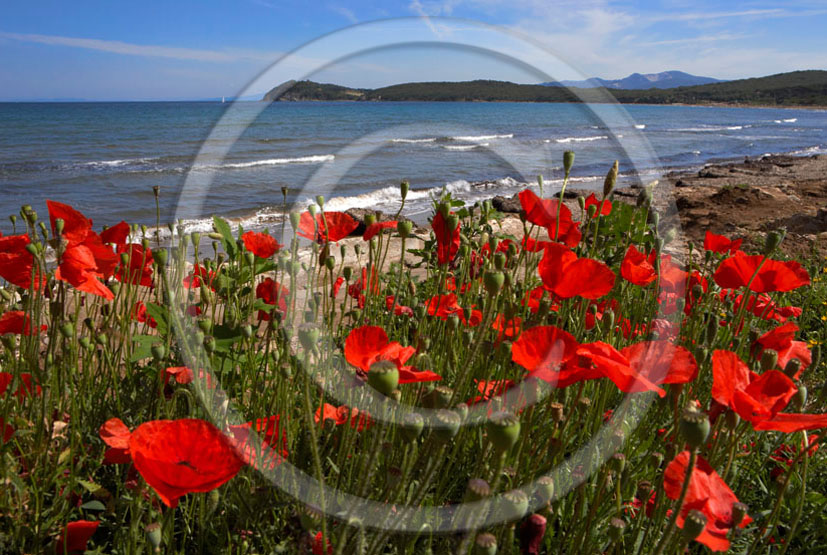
797,88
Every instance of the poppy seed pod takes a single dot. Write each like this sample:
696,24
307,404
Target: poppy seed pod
438,397
209,344
568,160
694,427
313,209
793,366
739,511
403,189
616,528
453,322
370,219
67,330
499,260
383,376
769,359
412,425
592,210
308,337
514,505
444,209
320,201
799,399
158,351
153,535
446,425
694,524
485,544
773,240
617,462
295,218
249,258
544,489
493,282
503,430
732,419
330,263
477,489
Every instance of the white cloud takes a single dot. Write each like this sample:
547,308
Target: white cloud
346,13
130,49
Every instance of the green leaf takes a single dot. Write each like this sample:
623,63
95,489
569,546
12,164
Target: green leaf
93,505
143,349
161,316
227,239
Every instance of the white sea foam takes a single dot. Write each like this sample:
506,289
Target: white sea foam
477,138
580,139
712,128
114,163
810,150
640,126
788,120
464,147
427,140
315,159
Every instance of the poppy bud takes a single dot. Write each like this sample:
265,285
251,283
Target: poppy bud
444,209
540,183
656,458
212,501
453,322
568,161
158,351
503,430
769,360
531,534
592,210
773,239
412,425
500,260
153,535
644,198
544,489
485,544
84,342
209,344
295,218
514,505
330,263
320,201
694,524
420,312
792,368
370,219
67,330
404,228
403,189
160,256
313,209
32,249
452,222
247,331
643,491
493,282
205,324
31,215
581,202
799,399
739,511
446,425
308,337
383,376
732,419
694,427
611,179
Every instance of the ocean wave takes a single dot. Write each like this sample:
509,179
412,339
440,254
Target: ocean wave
711,128
810,150
464,147
113,163
640,126
788,120
314,159
426,140
581,139
476,138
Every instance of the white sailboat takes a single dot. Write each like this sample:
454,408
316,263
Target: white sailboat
223,100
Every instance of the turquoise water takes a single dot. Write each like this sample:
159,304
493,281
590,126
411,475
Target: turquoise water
105,158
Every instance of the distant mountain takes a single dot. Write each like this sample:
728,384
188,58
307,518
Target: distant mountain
636,81
796,88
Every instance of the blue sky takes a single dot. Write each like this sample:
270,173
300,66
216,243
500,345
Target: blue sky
104,50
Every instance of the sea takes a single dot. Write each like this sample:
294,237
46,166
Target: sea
251,162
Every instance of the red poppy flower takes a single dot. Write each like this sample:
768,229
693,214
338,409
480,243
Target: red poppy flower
182,374
16,263
662,362
340,415
533,245
447,240
75,225
260,244
25,387
138,269
273,293
337,285
319,544
567,276
177,457
358,289
781,340
721,244
604,207
117,234
543,212
610,363
508,329
707,493
543,349
672,278
79,267
376,228
443,306
199,273
17,322
139,314
105,259
115,435
333,227
6,431
637,267
76,536
272,447
773,275
367,345
398,309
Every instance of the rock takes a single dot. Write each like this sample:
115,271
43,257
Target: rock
507,205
